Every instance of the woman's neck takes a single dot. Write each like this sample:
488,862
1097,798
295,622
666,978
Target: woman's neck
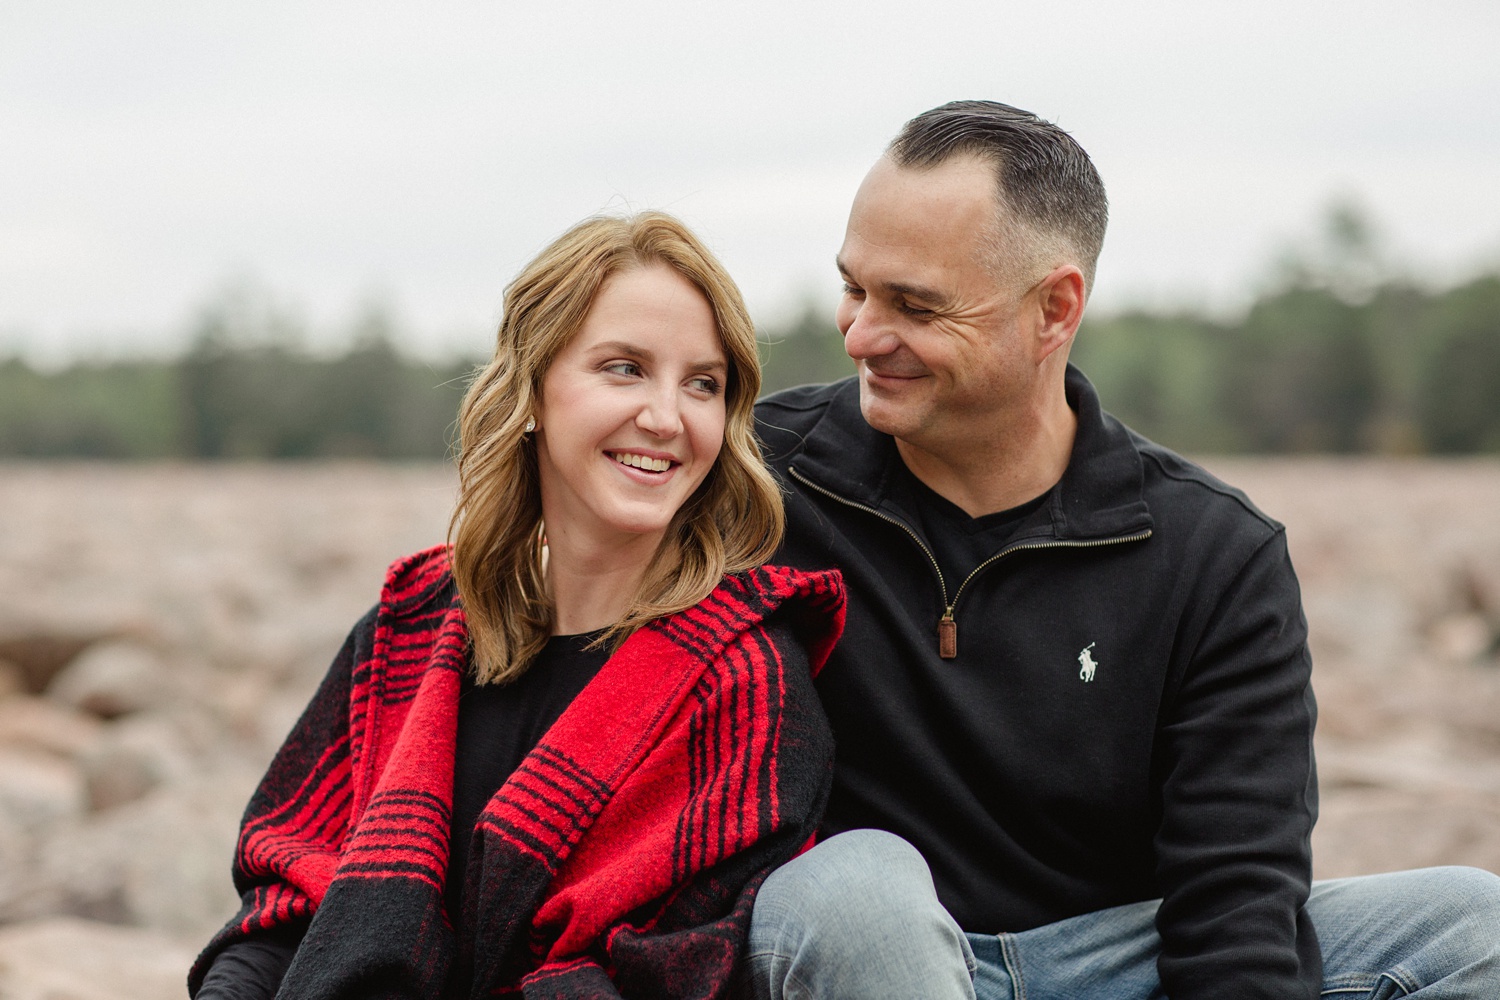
592,586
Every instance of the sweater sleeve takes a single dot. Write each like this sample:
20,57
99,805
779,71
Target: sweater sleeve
251,969
289,837
1239,797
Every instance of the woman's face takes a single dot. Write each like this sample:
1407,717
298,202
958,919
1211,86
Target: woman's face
631,417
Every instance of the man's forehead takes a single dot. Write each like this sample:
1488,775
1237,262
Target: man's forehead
923,206
967,179
914,228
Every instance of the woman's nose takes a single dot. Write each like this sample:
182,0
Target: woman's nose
661,416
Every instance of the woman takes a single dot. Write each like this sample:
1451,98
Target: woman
558,757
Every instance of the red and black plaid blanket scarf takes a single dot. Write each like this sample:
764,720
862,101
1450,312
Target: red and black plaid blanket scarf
621,858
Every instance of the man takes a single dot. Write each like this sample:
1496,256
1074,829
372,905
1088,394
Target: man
1072,701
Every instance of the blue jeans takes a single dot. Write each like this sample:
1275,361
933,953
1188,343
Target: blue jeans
857,917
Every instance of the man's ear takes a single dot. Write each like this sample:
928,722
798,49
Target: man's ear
1060,298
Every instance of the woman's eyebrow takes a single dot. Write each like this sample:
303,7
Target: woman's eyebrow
715,365
622,347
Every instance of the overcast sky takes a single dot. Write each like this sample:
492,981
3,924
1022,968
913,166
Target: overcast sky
416,155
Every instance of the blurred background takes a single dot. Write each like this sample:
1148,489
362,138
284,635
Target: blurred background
248,255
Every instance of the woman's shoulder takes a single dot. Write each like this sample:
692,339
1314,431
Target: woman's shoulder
414,585
419,581
810,602
780,584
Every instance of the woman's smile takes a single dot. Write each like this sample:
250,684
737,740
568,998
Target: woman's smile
643,461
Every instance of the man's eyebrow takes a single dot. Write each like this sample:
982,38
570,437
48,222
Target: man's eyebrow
929,295
926,294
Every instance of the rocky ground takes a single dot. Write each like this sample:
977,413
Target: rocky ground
160,628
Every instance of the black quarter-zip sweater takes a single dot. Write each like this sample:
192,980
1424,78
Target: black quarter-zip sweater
1128,714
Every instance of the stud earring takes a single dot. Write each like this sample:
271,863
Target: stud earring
530,425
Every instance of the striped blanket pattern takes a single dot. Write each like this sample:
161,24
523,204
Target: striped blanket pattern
620,859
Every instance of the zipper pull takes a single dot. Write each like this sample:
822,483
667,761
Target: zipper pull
947,635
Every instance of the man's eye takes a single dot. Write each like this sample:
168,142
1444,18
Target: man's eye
912,310
854,290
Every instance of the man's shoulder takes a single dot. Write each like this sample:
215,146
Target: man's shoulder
1117,470
801,399
1176,487
784,419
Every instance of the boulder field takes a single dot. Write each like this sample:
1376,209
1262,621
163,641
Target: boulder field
161,627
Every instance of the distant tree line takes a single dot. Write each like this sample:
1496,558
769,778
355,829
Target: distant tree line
1336,356
247,388
1406,371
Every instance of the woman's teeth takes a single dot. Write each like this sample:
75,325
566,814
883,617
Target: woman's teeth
642,462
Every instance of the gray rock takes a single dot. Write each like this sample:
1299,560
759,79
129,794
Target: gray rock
39,789
12,678
183,884
162,861
42,724
41,654
40,794
134,755
113,679
71,959
17,867
76,871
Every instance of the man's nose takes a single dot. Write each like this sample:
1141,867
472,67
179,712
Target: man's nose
866,334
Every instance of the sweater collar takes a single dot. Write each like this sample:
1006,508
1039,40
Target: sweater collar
1099,496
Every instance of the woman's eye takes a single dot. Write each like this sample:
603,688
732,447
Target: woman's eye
705,384
627,368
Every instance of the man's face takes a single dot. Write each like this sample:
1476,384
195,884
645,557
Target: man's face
938,340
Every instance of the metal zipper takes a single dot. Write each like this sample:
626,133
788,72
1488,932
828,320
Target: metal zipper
947,631
884,517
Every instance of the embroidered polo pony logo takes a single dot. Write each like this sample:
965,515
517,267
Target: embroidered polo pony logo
1086,664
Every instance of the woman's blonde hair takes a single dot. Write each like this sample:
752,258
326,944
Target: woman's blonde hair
733,521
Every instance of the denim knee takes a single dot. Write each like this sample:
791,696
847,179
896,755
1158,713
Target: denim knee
1468,901
1431,930
857,916
862,885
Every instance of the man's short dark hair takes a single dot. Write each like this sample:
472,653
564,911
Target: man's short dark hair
1046,180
